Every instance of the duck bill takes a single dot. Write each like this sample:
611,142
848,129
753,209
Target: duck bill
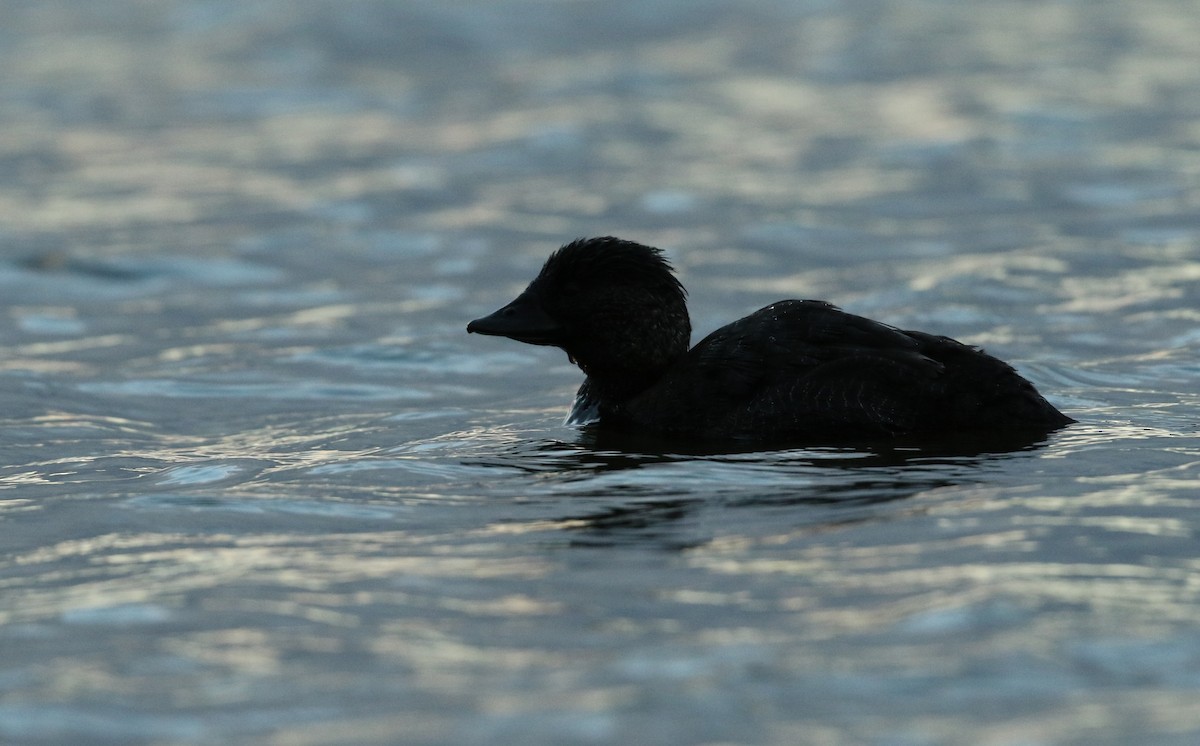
523,320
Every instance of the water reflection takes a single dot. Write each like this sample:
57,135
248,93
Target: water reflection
606,489
595,452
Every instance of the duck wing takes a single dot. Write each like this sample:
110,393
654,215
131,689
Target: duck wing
807,368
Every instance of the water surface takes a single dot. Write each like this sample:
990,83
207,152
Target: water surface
259,486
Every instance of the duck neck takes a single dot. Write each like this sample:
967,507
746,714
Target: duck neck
627,346
614,387
616,375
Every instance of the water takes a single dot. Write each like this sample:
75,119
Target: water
259,486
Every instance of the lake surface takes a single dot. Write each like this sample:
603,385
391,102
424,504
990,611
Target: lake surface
259,486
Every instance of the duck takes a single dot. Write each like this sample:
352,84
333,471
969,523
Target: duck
795,369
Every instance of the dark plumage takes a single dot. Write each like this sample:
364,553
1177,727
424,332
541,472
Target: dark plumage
799,369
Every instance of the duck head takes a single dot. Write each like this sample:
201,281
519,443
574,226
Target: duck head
615,307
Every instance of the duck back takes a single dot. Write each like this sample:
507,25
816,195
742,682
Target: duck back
807,369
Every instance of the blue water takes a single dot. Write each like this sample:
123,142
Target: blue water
259,486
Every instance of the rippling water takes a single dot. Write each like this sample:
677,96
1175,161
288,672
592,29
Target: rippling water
260,487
